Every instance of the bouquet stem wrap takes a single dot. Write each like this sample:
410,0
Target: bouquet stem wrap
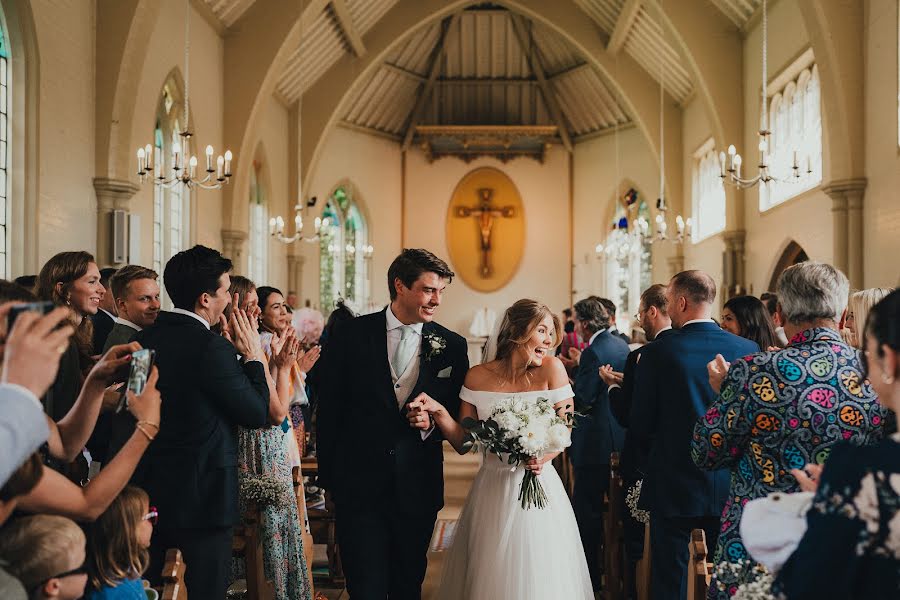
531,492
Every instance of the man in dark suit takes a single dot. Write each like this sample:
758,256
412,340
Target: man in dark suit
384,476
190,470
105,319
671,392
596,434
136,294
656,323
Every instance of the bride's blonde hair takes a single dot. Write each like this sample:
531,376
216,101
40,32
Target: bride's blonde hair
519,323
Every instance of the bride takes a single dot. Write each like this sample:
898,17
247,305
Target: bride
500,550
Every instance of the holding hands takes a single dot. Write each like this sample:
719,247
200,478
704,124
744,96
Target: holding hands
808,477
420,410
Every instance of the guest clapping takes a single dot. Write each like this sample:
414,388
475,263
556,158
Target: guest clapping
850,548
779,410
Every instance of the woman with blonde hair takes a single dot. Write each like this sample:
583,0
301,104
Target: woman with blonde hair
858,308
501,550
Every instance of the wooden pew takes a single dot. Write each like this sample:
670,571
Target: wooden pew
173,576
699,569
308,545
247,546
613,535
324,532
642,569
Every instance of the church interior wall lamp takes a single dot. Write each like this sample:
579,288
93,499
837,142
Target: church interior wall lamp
184,165
731,172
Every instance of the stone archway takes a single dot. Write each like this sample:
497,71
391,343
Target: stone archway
792,255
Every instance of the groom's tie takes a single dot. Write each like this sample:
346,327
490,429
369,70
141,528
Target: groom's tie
405,349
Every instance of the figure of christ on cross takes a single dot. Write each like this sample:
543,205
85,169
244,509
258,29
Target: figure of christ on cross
485,213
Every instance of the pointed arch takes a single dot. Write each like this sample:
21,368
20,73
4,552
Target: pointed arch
344,248
792,254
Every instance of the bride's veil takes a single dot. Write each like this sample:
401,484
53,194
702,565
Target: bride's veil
490,347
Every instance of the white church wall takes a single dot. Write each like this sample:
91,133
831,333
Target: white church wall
805,219
166,52
273,135
543,273
372,165
881,225
67,204
595,191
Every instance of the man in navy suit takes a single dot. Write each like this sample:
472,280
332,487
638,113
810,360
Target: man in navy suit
597,434
671,392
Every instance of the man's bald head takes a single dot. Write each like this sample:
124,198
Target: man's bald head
691,295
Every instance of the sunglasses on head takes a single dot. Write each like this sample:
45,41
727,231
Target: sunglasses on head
152,516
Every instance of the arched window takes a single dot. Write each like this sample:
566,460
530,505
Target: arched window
628,255
708,193
258,259
343,252
5,99
171,206
796,119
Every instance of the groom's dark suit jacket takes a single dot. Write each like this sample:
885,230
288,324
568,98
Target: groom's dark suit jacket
367,451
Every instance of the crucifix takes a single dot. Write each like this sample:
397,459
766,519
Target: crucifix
485,214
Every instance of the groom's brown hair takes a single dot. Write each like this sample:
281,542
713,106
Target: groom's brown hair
411,263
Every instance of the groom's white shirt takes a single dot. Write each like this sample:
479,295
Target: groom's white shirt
406,381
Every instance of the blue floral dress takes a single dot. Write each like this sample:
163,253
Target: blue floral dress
778,411
851,548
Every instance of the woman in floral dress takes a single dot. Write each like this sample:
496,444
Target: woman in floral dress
263,462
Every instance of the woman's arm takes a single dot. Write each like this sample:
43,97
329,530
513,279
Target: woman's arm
565,408
450,428
284,356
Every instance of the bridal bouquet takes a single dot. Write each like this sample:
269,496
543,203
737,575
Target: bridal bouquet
522,430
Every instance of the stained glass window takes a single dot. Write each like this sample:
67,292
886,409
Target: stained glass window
342,251
708,193
628,257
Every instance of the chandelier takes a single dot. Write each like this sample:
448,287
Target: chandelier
731,172
184,164
276,225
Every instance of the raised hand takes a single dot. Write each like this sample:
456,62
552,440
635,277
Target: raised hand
808,477
146,406
609,376
277,342
32,349
112,367
309,358
717,369
245,336
287,353
574,355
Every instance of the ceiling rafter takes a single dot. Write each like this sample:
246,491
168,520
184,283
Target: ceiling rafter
434,67
534,61
401,71
623,26
345,22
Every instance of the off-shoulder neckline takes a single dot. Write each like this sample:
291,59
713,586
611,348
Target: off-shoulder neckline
559,389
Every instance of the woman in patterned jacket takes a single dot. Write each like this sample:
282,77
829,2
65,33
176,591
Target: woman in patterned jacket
780,410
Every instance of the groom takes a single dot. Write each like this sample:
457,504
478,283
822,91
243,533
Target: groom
384,475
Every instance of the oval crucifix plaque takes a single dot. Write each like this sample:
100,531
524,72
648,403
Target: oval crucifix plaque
486,229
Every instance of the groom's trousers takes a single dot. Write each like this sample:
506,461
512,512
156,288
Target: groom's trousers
384,551
591,483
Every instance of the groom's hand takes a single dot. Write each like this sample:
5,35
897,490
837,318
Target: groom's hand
417,415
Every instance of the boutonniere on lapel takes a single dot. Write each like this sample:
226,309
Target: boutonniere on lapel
434,345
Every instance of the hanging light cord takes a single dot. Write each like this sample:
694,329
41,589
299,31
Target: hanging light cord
662,147
187,63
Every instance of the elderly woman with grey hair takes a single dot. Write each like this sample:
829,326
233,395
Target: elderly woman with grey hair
780,410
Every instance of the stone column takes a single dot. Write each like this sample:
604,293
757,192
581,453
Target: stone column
233,248
733,283
847,213
112,194
295,273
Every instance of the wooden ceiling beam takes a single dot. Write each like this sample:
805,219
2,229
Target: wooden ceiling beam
624,23
425,89
345,21
534,62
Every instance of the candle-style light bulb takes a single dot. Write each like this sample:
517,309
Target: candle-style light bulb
209,158
140,157
228,157
272,226
176,156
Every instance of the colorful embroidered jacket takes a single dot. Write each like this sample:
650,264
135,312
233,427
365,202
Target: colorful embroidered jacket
778,411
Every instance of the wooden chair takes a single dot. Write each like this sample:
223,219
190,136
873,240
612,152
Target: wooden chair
613,535
642,569
247,545
699,570
173,576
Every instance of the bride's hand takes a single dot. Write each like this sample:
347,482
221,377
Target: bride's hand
420,411
536,464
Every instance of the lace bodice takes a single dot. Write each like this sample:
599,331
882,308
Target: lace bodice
484,401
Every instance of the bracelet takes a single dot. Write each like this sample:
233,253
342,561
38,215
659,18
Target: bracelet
144,431
150,423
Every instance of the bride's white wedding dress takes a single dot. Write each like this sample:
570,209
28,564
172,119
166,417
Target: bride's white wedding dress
501,551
